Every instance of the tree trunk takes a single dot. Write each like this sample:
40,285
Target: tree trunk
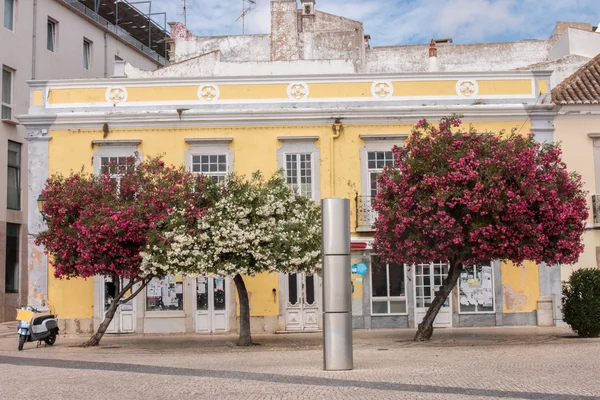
425,329
110,313
245,338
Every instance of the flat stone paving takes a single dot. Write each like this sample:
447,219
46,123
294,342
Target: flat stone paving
473,363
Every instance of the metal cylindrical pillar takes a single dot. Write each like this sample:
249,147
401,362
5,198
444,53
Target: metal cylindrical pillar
337,287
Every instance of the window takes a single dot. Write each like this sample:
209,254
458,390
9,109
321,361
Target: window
87,54
9,14
7,93
213,165
298,172
165,294
14,176
388,287
51,35
476,289
12,259
377,160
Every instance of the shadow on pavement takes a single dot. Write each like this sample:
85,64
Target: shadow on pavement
278,378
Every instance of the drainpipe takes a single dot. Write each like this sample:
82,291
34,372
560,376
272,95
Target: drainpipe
105,54
337,131
34,40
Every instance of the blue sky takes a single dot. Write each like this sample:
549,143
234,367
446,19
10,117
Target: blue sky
392,22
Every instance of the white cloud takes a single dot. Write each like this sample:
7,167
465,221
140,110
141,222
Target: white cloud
392,22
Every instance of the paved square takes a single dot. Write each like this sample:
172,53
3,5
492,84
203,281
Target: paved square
478,363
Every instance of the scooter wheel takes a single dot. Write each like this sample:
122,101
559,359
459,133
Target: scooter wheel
22,340
50,339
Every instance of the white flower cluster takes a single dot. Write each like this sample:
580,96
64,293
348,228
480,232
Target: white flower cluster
254,228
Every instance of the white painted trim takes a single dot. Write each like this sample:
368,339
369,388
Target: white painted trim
389,93
110,100
274,117
209,146
304,147
366,100
213,92
297,138
208,141
383,136
287,79
117,143
475,88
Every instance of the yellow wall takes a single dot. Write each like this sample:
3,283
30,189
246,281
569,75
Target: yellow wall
255,148
520,284
578,154
71,299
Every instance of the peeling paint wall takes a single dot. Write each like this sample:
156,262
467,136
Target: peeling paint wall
520,284
460,57
232,48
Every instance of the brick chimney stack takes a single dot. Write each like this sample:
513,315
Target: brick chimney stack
433,61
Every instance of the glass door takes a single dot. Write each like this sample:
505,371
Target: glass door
211,304
124,318
428,279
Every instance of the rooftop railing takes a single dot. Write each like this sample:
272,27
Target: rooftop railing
120,32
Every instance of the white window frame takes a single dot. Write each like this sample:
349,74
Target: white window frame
54,23
373,142
14,15
209,147
114,148
302,145
89,51
387,299
493,311
12,92
298,162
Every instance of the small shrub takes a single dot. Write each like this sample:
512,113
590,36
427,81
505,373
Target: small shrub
581,302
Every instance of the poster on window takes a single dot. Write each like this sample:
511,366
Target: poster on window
476,289
165,294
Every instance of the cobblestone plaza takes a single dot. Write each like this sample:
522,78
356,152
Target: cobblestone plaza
482,363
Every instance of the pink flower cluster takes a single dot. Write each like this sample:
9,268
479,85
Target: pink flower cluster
473,197
98,225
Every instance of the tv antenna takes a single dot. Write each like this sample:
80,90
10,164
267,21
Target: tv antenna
184,11
247,6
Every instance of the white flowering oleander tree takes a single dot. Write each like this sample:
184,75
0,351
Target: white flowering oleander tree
255,226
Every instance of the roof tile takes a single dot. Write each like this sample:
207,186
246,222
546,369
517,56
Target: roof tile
583,87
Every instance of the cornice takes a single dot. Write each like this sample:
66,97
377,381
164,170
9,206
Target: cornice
378,136
297,138
272,117
180,81
207,141
117,143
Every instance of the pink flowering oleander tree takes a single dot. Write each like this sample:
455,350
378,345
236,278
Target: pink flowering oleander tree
98,224
466,198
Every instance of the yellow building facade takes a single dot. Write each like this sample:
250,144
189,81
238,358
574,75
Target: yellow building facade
332,135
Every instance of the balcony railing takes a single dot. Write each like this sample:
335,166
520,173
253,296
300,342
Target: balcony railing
120,32
596,208
365,214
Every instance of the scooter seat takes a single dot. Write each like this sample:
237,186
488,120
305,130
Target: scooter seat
39,320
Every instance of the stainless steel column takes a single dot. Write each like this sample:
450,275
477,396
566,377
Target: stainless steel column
337,287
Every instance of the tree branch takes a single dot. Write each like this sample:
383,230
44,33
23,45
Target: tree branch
144,284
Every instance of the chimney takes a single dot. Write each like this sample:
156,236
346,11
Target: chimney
284,30
308,7
308,13
433,60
